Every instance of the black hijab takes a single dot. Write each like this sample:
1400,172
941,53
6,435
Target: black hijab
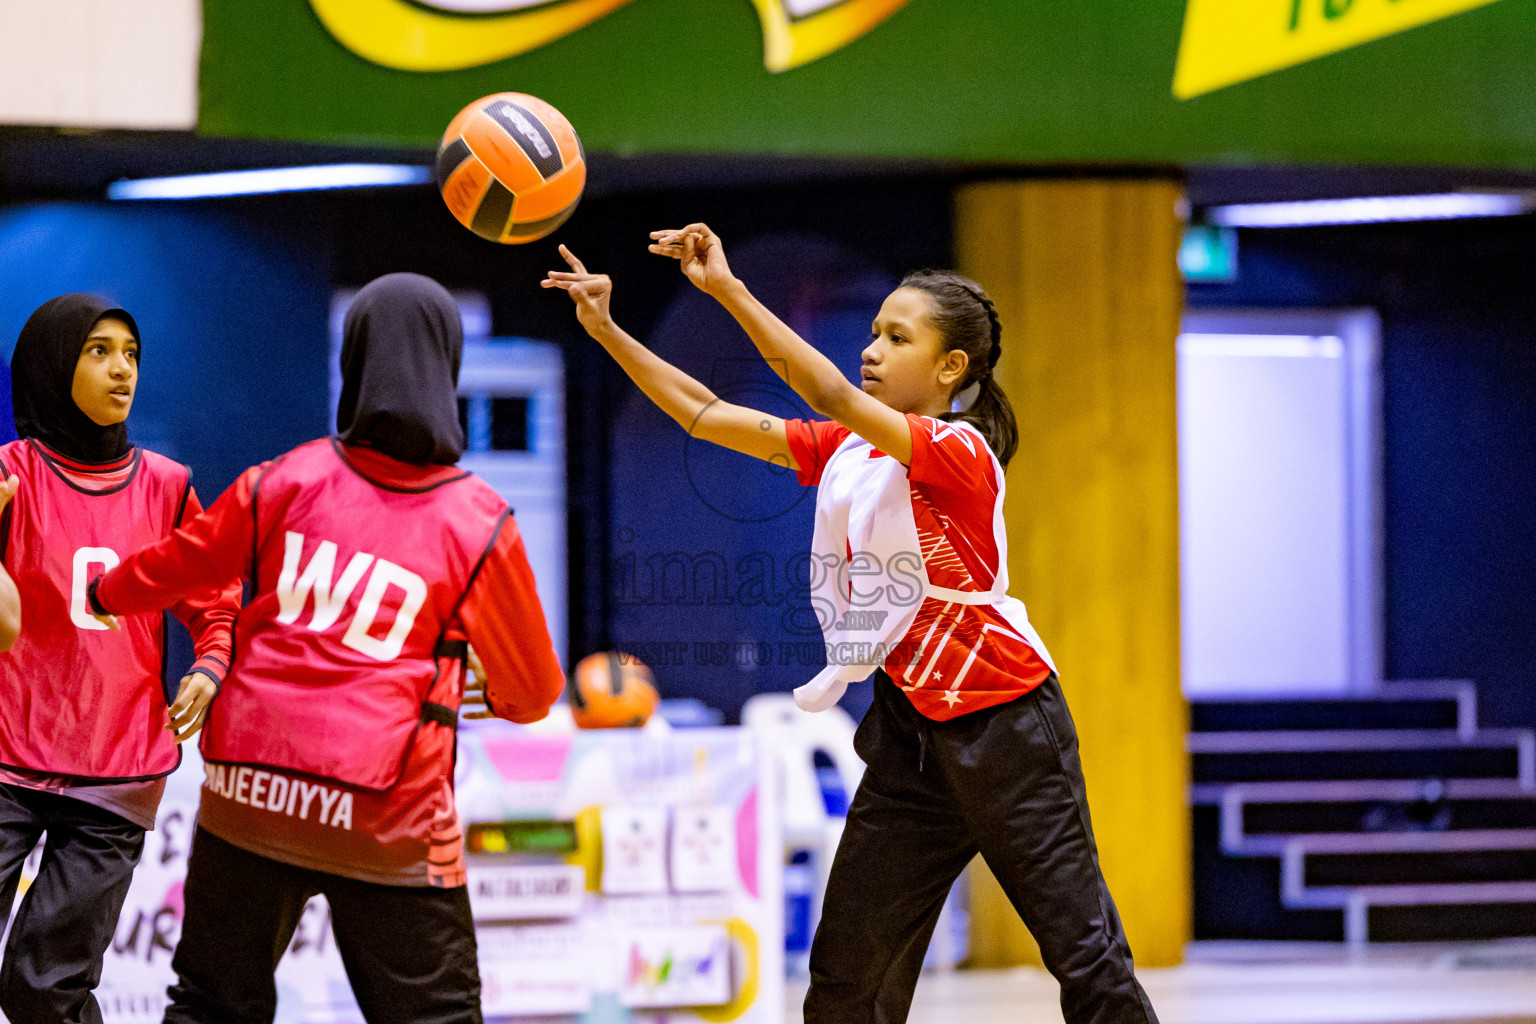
43,378
400,354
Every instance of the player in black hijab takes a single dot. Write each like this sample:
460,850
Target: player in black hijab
380,841
86,739
44,368
400,354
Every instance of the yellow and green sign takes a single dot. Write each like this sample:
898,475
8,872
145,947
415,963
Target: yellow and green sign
1148,82
1228,41
436,35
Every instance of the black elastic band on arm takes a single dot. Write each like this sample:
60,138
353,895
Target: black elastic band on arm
207,673
91,600
442,714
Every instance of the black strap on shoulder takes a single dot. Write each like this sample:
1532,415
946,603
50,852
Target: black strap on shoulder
186,492
442,714
256,521
5,517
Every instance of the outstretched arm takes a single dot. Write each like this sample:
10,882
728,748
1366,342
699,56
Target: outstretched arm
518,676
204,556
690,403
814,377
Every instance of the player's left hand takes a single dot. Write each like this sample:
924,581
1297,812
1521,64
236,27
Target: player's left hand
186,716
474,704
699,251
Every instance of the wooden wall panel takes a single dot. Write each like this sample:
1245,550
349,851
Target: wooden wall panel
1085,278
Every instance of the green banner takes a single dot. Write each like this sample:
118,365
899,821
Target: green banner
1091,81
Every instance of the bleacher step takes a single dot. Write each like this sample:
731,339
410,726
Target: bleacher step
1404,704
1386,817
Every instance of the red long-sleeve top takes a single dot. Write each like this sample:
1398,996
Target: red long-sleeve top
500,617
408,835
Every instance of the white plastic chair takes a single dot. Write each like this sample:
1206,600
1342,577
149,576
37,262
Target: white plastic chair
794,737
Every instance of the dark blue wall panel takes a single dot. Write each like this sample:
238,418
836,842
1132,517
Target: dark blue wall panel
1459,416
708,578
233,317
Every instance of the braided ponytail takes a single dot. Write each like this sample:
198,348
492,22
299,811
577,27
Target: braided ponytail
967,319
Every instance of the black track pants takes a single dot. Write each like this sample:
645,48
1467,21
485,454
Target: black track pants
66,919
409,951
1006,783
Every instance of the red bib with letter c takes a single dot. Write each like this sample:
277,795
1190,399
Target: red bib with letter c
76,698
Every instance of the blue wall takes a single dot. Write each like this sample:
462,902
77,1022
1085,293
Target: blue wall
233,317
1459,419
707,578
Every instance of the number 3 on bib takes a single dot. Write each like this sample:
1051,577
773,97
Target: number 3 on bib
318,578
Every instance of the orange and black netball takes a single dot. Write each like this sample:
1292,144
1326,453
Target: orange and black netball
511,168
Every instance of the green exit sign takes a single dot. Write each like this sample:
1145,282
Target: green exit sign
1208,254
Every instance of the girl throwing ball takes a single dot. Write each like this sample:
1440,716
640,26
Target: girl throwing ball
969,745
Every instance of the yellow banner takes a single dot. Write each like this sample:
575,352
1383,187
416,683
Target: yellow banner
448,35
1229,41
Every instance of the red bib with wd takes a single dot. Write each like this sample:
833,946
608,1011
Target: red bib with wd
337,657
76,698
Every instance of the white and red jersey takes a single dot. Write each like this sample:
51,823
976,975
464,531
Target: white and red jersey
331,746
83,704
955,657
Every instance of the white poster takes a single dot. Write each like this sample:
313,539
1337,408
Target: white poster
703,853
634,849
536,970
667,967
526,892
